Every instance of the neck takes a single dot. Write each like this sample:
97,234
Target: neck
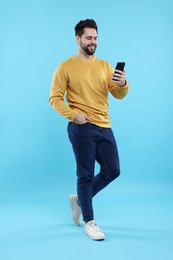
83,56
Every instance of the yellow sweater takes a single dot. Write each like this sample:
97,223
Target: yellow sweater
86,84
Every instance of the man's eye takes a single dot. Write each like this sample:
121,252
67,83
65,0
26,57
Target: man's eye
89,38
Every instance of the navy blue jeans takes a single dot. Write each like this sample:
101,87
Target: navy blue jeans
92,143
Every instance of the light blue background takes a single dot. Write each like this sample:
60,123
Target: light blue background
37,169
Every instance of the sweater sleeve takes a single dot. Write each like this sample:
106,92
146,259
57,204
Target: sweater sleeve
114,89
57,92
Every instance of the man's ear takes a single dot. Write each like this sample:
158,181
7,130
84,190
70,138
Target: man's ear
77,39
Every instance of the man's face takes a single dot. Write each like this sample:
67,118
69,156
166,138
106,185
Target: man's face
88,41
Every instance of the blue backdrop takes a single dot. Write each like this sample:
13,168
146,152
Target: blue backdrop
35,154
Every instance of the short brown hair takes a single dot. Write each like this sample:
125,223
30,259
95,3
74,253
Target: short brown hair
88,23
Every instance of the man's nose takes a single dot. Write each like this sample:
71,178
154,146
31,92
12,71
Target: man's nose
93,41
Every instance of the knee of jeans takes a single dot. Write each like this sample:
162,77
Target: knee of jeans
114,173
84,179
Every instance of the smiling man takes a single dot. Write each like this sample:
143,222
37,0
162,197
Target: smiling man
86,81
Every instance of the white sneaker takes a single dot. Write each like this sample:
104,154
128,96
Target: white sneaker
76,210
93,231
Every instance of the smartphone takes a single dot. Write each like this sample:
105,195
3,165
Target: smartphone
120,66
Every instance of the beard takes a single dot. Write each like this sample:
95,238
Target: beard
89,49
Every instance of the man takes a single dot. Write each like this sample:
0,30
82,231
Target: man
86,80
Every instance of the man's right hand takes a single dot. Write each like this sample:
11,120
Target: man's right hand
81,119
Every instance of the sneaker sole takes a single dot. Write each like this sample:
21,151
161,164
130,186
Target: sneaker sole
72,204
95,238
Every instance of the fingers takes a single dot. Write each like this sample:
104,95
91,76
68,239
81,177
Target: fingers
82,119
118,74
119,77
88,119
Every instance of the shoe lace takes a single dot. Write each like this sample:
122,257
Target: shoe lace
94,226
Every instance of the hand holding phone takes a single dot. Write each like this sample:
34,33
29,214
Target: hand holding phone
119,74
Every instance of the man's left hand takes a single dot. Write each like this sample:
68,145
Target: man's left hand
119,77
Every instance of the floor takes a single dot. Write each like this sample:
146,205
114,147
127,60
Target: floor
136,219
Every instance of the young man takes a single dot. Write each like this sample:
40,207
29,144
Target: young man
86,80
